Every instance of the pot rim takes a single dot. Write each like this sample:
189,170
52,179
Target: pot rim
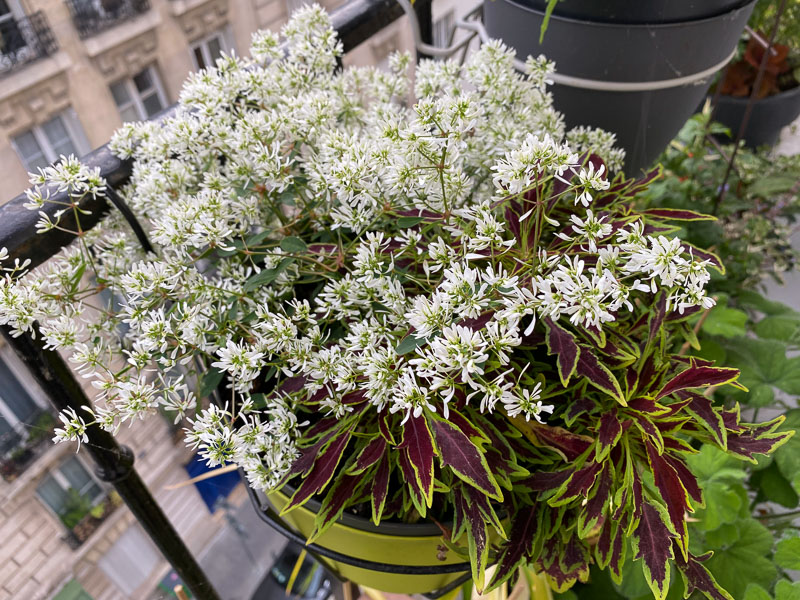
423,529
646,26
795,91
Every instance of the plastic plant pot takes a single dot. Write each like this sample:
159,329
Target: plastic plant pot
769,116
639,81
418,544
637,11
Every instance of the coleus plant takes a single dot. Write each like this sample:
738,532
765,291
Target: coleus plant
443,311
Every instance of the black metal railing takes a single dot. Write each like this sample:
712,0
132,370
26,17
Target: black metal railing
93,16
355,22
24,40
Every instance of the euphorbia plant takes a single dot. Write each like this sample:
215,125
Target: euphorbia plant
441,312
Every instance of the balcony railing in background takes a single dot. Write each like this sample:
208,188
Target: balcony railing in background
93,16
24,40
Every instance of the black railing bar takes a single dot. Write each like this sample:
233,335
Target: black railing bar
355,22
269,516
114,463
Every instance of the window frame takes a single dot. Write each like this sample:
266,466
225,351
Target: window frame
55,473
27,383
202,45
136,98
74,130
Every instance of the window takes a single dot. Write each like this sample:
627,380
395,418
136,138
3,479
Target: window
206,51
42,145
442,29
70,491
140,97
130,561
18,410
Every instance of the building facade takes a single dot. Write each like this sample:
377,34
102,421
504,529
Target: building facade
71,72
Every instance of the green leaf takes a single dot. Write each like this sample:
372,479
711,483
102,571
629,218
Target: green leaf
787,553
785,590
209,382
551,4
766,187
785,327
294,245
762,304
756,592
725,322
745,562
267,275
408,344
787,457
723,505
763,363
774,486
406,222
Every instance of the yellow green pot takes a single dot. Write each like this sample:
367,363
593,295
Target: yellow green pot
390,543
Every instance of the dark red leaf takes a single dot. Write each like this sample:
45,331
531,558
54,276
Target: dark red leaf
598,375
465,425
371,454
617,558
746,445
380,488
322,471
580,405
571,445
293,384
649,430
672,493
687,478
579,484
569,563
477,534
385,427
697,578
698,376
305,461
417,447
463,457
544,481
334,504
702,409
523,537
647,405
651,543
593,510
608,432
477,323
562,343
656,319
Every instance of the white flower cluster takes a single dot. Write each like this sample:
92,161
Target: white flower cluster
263,148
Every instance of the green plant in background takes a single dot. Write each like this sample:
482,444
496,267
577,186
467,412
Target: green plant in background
76,507
763,19
748,517
758,211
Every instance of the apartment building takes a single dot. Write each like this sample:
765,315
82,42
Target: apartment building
71,72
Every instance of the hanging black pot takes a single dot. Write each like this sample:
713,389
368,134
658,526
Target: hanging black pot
636,11
769,116
639,81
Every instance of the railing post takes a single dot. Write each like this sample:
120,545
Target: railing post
114,462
